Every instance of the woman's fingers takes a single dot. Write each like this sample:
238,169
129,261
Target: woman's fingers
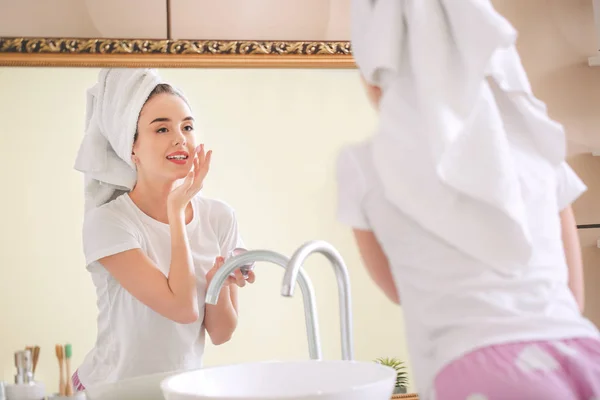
239,278
205,165
218,262
199,158
201,169
200,153
251,277
236,277
196,166
188,181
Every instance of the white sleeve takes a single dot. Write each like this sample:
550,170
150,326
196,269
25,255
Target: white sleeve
105,234
569,186
351,189
227,229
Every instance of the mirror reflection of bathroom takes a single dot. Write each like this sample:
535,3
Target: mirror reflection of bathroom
275,135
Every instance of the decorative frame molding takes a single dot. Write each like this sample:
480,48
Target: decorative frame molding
167,53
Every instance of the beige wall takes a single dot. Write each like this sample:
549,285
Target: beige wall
556,37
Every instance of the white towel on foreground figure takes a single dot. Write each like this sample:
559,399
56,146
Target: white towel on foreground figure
441,150
113,108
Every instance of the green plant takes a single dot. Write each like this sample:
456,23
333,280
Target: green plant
398,365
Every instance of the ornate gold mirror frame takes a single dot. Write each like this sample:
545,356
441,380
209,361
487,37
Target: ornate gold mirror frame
176,33
100,52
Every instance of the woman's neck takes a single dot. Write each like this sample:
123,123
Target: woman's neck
151,198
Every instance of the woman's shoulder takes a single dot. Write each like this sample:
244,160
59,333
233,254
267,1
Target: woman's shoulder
109,229
114,213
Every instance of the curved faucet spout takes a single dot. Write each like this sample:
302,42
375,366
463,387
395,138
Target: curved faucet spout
294,271
308,293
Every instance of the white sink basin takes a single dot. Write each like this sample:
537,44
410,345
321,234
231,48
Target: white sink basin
146,387
295,380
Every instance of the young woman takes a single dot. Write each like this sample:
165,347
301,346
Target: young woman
460,206
152,250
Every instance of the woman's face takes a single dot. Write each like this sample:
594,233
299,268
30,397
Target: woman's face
165,145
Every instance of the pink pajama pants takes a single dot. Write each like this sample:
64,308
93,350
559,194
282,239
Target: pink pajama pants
538,370
77,386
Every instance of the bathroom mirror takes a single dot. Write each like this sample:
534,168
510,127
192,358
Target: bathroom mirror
176,33
275,134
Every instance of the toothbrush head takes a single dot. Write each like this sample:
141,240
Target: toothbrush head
59,352
68,350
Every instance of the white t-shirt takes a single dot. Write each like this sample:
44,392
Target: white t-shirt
134,340
452,303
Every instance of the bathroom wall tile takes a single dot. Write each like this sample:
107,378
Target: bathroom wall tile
84,18
261,19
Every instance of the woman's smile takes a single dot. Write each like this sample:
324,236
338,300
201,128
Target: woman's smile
179,157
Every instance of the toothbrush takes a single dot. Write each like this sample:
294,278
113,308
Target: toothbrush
61,380
36,357
68,353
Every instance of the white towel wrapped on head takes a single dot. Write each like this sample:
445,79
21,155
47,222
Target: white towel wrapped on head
113,108
445,148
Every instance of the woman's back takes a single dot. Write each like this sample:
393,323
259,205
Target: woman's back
452,302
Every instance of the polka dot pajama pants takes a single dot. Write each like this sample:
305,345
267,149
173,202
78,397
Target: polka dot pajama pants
544,370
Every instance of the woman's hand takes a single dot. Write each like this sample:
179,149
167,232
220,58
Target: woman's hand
220,320
238,279
184,193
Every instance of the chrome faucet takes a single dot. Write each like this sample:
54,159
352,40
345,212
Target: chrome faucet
308,294
294,271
